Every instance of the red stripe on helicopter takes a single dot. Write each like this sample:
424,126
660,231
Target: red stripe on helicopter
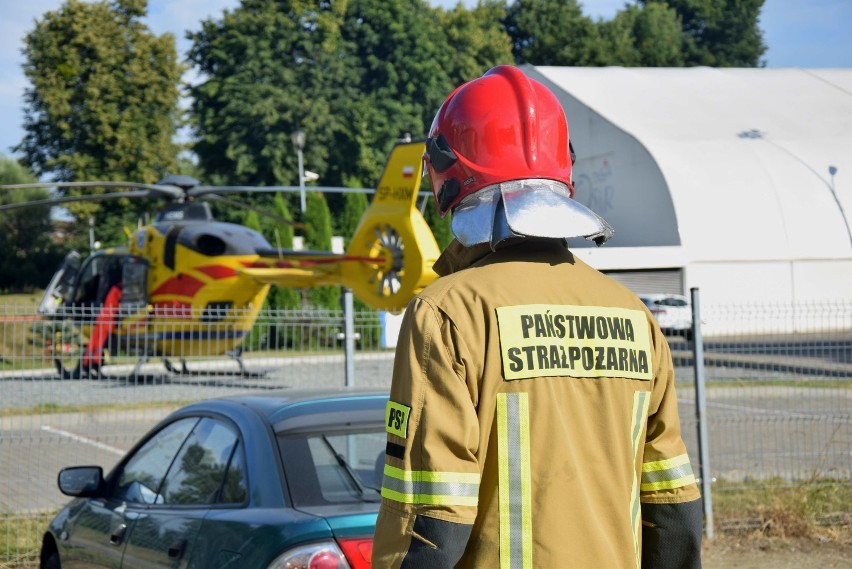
282,264
217,271
181,285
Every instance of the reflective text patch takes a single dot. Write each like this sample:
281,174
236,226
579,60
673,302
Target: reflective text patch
538,340
396,419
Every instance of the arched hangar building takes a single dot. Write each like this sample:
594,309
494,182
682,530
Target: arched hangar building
736,181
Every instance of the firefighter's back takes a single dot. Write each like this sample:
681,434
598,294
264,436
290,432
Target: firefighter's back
563,358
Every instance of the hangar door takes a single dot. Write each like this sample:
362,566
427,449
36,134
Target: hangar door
655,280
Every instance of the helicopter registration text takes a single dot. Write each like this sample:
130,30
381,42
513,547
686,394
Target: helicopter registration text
388,193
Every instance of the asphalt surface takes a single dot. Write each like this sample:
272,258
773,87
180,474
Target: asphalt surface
789,429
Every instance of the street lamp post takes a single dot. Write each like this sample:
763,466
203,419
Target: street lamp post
299,142
832,170
91,235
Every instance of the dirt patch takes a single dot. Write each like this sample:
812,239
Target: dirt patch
830,549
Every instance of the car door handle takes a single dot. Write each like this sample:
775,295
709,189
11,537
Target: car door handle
176,549
118,535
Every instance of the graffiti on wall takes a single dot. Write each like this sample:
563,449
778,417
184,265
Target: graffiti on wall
594,184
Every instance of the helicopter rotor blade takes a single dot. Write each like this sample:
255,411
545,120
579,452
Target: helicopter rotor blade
206,190
70,199
258,211
153,189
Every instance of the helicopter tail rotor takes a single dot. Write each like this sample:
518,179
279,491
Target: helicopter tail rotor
394,233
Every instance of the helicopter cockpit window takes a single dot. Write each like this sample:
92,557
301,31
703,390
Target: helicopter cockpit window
90,280
99,275
135,281
68,274
61,287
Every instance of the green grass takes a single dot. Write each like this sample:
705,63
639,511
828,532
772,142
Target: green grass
772,508
777,508
22,300
20,539
55,408
822,382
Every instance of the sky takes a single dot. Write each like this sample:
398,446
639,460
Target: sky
798,33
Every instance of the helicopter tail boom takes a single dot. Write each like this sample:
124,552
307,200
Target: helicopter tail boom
390,255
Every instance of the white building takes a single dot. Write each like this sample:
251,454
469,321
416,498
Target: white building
736,181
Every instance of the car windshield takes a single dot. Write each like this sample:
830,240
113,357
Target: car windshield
334,468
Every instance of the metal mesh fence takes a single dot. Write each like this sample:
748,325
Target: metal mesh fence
779,388
778,405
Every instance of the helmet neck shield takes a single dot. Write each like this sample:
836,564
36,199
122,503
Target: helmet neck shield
525,208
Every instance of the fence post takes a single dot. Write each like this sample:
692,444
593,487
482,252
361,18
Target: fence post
349,335
701,413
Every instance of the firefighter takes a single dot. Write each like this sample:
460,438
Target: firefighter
532,419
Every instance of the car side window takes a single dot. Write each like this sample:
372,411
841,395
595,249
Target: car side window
235,489
197,474
140,479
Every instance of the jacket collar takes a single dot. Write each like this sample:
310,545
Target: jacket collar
457,257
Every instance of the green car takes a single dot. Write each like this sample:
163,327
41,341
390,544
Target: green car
270,481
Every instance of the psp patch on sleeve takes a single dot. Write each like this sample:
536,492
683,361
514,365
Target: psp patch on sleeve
546,340
396,419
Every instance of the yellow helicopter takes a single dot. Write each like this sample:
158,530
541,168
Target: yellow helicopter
187,284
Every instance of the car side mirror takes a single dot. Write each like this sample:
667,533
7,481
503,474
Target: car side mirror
81,481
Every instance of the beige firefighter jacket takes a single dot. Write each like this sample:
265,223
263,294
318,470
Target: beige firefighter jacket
534,398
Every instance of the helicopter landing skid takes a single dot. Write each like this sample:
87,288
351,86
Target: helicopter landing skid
77,372
183,370
80,372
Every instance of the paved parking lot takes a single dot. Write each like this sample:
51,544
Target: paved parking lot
791,430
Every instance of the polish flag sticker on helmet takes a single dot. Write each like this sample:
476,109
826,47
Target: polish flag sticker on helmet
407,171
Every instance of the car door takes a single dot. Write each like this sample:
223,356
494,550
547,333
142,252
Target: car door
164,534
97,528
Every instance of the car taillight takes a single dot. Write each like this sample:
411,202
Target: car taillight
322,555
359,552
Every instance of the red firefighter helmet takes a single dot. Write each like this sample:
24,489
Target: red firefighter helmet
500,143
503,126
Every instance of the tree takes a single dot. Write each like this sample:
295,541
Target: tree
318,232
552,32
440,225
269,68
355,204
397,52
720,33
103,98
646,36
251,220
280,297
478,39
28,255
354,75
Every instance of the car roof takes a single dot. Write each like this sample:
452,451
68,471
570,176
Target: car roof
297,411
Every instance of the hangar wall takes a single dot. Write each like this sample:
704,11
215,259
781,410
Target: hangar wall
618,179
736,198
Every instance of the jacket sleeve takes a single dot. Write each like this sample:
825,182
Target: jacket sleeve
672,516
431,476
